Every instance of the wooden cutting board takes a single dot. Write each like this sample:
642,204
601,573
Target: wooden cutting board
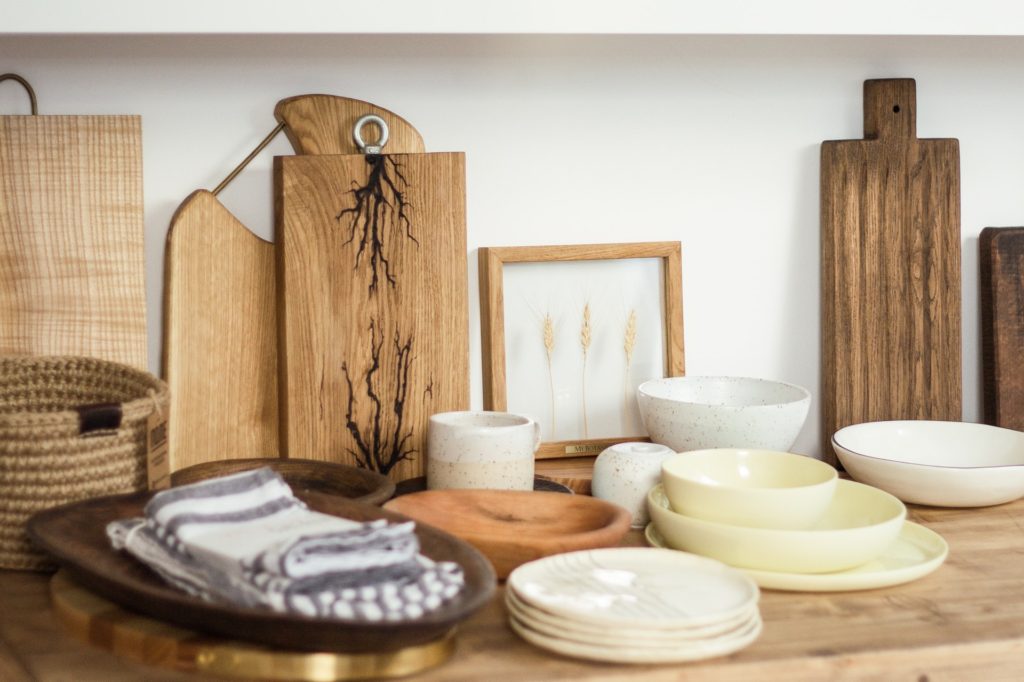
220,336
372,285
890,269
72,264
322,124
220,311
1002,326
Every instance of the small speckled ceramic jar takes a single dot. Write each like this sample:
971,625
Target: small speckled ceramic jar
481,450
624,473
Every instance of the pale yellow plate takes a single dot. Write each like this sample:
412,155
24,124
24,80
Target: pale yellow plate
917,552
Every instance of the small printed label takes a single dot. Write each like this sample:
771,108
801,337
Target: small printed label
158,464
583,448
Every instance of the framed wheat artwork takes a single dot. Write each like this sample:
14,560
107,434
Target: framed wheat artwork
569,332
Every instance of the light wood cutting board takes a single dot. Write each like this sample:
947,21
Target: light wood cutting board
1002,326
374,322
220,338
220,312
890,269
72,263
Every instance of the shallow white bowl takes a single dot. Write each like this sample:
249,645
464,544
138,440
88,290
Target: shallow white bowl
696,413
859,524
944,464
757,488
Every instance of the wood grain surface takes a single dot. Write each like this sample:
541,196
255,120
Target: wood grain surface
220,349
890,269
72,278
75,536
1002,326
220,336
322,124
965,622
102,623
512,527
302,475
373,309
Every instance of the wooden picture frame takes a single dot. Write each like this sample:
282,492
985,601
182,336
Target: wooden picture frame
495,265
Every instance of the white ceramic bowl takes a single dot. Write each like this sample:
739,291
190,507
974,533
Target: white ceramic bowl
944,464
696,413
859,524
757,488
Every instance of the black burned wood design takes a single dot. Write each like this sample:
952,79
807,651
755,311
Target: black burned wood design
379,205
380,433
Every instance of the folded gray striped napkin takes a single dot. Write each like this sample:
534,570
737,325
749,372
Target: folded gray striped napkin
246,539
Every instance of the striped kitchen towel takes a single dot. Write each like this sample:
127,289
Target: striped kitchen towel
247,540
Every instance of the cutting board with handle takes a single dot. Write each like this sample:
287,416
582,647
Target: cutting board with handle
72,261
890,269
373,303
220,350
1002,326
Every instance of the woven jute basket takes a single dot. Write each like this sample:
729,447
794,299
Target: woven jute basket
70,428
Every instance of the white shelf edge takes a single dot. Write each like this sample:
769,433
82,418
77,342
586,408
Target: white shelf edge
597,17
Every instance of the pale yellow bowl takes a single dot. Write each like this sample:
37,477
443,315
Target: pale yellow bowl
756,488
859,524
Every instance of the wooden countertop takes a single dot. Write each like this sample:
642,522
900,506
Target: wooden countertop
964,622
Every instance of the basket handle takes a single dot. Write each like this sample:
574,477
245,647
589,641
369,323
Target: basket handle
28,89
100,417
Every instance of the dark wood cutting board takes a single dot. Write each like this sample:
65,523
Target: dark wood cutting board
373,304
1002,326
74,534
890,269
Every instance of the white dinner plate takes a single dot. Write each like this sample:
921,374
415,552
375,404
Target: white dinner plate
635,587
582,631
692,651
917,552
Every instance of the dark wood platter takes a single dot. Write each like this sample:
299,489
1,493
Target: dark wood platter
74,534
303,475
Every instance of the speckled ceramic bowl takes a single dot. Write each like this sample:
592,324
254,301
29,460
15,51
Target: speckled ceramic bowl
698,413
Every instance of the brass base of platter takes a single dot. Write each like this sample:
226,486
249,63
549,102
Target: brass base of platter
102,623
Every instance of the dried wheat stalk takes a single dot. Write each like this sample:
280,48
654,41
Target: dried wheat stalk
585,340
549,349
628,344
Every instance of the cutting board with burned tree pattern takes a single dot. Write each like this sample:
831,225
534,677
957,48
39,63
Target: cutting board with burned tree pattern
373,304
890,269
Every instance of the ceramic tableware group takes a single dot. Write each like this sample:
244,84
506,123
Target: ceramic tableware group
788,522
633,605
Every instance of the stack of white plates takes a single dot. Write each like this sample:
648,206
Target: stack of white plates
633,605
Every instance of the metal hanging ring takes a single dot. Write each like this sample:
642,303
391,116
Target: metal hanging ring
357,134
28,89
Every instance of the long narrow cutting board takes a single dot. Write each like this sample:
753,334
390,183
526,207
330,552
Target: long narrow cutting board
890,269
220,305
1002,326
374,306
72,263
220,336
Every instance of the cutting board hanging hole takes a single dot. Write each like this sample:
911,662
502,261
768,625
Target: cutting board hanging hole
889,109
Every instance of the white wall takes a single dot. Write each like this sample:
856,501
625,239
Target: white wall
712,141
